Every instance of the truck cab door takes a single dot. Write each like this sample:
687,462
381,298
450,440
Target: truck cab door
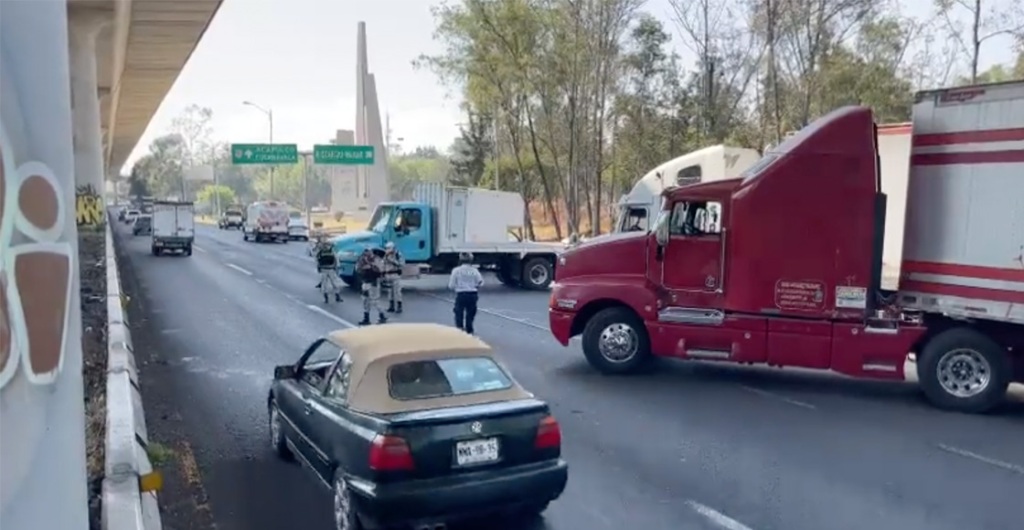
691,263
412,233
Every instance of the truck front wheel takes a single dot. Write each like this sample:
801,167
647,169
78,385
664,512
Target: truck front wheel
538,273
963,370
616,342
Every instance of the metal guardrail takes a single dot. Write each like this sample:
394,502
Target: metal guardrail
124,505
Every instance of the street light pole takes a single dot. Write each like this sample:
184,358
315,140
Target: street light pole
270,119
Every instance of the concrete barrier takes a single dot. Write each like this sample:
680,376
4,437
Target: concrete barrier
124,505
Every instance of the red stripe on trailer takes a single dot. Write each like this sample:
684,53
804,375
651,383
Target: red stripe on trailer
968,157
963,291
969,137
892,129
968,271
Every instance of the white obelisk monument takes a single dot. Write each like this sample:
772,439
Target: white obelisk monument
373,182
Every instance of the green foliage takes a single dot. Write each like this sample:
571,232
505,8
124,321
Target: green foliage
212,195
570,102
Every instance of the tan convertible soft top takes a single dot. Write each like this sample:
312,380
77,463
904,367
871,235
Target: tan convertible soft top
374,349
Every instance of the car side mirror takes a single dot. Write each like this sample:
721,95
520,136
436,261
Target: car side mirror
286,371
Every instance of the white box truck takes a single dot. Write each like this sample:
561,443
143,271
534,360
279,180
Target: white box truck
443,221
266,221
173,227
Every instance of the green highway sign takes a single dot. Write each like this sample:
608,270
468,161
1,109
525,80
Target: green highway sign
264,154
352,155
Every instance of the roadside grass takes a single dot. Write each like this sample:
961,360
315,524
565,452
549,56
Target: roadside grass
93,274
159,454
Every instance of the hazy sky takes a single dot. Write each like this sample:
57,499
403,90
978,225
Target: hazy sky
297,57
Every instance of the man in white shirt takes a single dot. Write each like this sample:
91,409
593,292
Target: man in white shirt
465,281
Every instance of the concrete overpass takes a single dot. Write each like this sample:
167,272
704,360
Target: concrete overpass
79,82
137,49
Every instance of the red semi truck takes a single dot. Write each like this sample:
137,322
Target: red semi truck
783,265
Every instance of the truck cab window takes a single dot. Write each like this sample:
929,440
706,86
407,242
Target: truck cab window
688,175
380,219
634,220
410,219
696,218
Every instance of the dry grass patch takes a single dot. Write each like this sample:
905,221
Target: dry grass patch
93,272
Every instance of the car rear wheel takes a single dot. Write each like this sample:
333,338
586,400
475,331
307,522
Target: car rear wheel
277,440
345,515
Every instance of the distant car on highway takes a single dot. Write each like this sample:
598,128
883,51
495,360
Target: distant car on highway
231,219
415,424
298,229
143,225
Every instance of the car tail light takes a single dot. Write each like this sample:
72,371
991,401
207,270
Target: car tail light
549,434
390,453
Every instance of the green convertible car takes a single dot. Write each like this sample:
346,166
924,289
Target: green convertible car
415,425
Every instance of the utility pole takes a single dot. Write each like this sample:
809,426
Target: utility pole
270,119
216,180
307,166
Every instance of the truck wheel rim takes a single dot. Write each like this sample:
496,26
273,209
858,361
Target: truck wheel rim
618,343
538,274
342,505
964,373
275,427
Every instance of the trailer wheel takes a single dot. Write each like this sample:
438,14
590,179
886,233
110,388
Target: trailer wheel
538,273
615,342
963,370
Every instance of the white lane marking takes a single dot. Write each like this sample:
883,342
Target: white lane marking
779,397
717,518
330,315
239,269
1013,468
200,249
261,280
522,321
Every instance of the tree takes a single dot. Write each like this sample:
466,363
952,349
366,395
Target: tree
571,101
138,186
211,196
986,20
193,126
161,169
472,149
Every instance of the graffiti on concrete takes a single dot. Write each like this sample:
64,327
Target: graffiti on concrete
88,207
35,270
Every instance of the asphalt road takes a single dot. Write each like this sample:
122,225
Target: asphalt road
691,446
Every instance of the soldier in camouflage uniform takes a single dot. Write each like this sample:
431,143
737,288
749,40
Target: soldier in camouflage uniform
370,269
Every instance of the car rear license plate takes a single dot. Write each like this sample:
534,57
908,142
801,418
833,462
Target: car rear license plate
472,452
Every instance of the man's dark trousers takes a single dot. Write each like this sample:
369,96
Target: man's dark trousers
465,310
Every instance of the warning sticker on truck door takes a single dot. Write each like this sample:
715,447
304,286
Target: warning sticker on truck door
800,295
851,297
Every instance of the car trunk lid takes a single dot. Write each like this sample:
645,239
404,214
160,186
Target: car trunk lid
470,438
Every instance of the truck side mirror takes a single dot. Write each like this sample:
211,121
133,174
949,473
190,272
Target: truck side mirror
661,234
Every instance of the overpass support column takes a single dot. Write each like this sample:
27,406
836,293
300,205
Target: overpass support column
43,482
84,27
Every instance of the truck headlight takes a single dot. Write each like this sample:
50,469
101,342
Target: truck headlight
561,260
